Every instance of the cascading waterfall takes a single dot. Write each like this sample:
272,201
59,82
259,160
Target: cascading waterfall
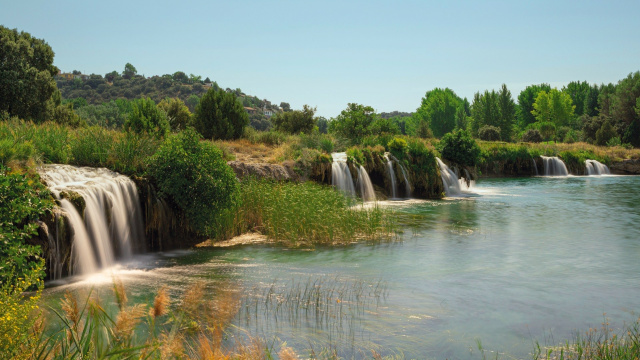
449,179
453,186
554,166
365,185
407,184
341,175
111,225
392,175
535,166
594,167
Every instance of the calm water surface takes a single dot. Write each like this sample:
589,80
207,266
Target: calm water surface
519,261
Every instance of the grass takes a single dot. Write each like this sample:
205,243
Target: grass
597,344
308,214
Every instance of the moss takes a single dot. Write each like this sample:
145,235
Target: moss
76,199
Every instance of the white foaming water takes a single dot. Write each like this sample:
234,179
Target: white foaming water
535,166
365,185
392,176
452,185
594,167
341,175
112,223
407,184
554,166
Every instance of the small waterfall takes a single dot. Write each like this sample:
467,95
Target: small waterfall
449,179
111,225
365,186
341,176
553,166
594,167
535,166
392,176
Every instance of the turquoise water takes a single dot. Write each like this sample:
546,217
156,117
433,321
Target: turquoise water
518,261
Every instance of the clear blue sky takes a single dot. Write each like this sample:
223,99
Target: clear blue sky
329,53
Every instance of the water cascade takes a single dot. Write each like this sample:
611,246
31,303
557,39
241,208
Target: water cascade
553,166
535,166
341,176
449,179
392,176
111,224
365,185
594,167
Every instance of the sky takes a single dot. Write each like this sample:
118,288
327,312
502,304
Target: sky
385,54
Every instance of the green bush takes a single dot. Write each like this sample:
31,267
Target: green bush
458,146
532,135
397,146
220,115
146,117
296,121
489,133
355,155
605,133
195,177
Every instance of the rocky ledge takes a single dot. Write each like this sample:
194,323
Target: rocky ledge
626,167
263,170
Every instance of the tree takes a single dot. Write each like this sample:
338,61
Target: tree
129,71
353,122
459,147
507,113
192,102
285,106
177,113
146,117
485,111
27,86
181,77
220,115
296,121
525,104
111,76
489,133
195,79
532,135
438,109
578,91
590,106
554,106
624,104
547,129
606,133
384,126
323,124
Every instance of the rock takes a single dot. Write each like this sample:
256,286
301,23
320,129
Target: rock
263,170
626,167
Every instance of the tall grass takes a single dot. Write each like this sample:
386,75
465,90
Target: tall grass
603,343
308,213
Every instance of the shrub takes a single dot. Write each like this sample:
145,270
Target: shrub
355,155
605,133
614,141
146,117
458,146
489,133
532,135
219,115
397,146
178,113
296,121
196,178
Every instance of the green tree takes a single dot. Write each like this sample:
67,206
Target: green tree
605,133
220,115
485,111
177,113
578,91
146,117
129,71
489,133
285,106
459,147
624,104
384,126
438,109
194,176
554,106
111,76
547,129
507,113
323,124
181,77
590,106
353,122
296,121
27,86
526,99
192,102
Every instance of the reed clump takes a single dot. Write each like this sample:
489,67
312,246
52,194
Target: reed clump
308,214
597,343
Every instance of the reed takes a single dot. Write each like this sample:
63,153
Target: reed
308,214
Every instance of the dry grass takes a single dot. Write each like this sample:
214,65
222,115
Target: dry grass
248,152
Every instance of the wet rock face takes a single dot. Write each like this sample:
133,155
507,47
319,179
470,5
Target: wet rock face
626,167
263,171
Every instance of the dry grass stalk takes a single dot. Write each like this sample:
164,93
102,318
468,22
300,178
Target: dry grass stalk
71,311
287,353
171,347
192,299
121,295
127,320
160,303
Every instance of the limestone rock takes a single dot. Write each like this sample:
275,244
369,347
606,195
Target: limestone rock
626,167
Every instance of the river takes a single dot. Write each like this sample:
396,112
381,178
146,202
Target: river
515,262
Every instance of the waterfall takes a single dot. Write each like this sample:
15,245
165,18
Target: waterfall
365,186
449,179
392,175
340,174
553,166
594,167
535,166
111,224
